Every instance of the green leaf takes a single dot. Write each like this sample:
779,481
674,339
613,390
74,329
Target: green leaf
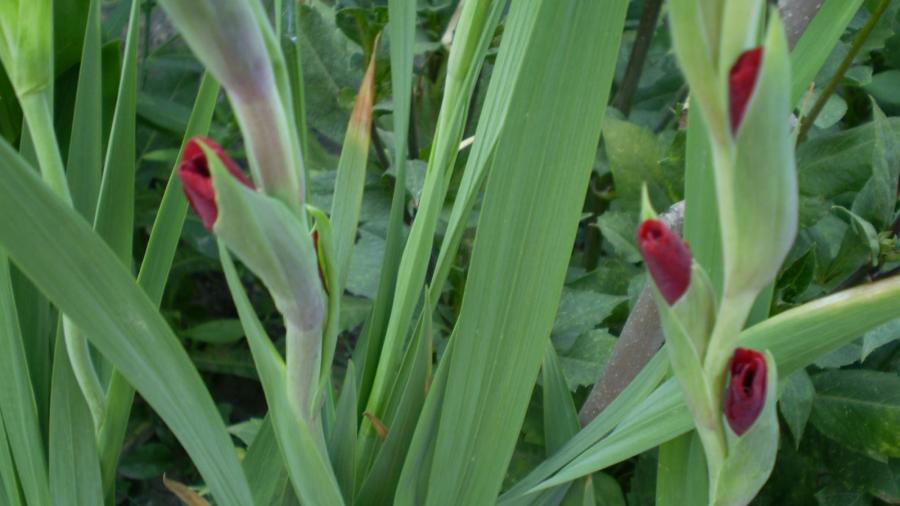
216,331
876,201
17,403
796,403
351,177
835,494
152,279
879,336
114,221
584,360
301,445
884,87
342,442
88,281
274,243
640,387
580,311
859,408
74,461
681,476
634,158
530,213
8,482
796,278
267,475
247,430
478,22
817,42
560,417
332,67
401,415
370,251
85,160
836,166
618,228
877,477
863,232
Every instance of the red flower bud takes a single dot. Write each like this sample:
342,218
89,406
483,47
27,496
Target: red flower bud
197,183
667,258
746,389
315,238
741,82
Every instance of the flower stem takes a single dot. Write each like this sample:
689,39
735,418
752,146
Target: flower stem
38,116
304,357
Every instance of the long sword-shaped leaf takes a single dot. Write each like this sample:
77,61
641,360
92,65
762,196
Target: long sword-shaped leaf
8,483
493,116
85,160
17,398
265,470
152,278
89,284
532,201
308,468
74,460
402,30
477,24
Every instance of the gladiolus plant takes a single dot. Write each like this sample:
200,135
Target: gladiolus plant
403,253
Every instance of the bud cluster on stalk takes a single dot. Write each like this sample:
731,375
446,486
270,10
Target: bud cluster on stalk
740,81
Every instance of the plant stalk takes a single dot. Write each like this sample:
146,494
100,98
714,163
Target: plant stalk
38,116
808,121
646,27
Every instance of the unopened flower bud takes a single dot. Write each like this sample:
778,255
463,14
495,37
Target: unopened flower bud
746,394
197,182
667,258
741,82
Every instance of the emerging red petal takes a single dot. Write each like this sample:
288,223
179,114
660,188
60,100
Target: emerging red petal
667,258
315,238
746,394
741,82
196,181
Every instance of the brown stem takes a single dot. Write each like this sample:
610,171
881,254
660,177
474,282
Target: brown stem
378,147
796,16
640,338
646,27
838,76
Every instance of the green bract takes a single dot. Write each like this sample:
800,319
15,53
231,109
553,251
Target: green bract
757,181
751,456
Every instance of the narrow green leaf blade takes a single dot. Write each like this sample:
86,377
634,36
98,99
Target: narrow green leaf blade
90,281
114,221
74,459
531,206
85,160
17,398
